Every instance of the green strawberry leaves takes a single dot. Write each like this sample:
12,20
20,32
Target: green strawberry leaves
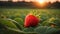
45,30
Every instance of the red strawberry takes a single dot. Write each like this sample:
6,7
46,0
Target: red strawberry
31,20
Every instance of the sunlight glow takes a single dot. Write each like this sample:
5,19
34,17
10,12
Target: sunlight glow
15,0
41,1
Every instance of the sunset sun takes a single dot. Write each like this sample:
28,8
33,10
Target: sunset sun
41,1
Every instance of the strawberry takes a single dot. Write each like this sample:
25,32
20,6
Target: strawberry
31,21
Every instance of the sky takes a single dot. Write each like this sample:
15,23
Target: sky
32,0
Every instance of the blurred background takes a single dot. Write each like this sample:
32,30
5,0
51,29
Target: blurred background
30,3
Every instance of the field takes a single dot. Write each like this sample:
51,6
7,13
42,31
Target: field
12,20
